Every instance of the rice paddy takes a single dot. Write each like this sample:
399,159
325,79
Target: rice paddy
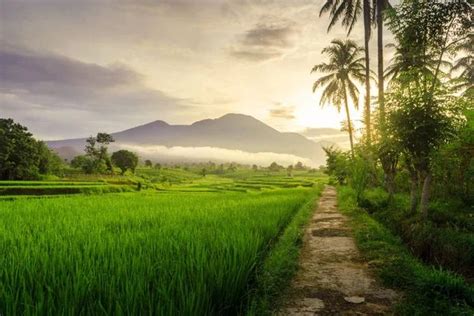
192,247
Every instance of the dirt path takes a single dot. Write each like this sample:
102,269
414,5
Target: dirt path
332,278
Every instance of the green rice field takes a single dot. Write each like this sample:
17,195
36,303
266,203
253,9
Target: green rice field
193,247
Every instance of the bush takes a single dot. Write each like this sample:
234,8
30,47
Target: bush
338,164
445,238
428,290
360,171
374,199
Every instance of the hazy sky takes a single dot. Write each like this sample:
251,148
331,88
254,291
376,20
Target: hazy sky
70,68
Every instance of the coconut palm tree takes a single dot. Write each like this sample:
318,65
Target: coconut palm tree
379,7
348,11
464,66
344,67
411,65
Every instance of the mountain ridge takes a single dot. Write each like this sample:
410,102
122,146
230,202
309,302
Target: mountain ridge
232,131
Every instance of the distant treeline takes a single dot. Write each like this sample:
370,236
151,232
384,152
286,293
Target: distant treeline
22,157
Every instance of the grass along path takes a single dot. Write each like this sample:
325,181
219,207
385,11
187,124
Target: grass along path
333,278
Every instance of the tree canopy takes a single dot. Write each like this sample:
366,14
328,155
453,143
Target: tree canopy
125,160
21,156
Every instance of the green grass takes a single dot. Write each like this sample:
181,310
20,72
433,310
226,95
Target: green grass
148,253
48,183
61,189
445,237
170,175
281,263
427,290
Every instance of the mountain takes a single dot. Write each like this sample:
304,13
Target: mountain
231,131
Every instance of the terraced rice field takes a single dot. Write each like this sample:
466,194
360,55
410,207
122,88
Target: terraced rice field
160,251
10,189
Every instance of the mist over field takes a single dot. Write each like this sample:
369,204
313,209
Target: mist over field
183,154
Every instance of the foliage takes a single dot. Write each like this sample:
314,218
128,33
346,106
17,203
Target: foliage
345,67
23,157
444,238
275,167
281,262
421,122
359,176
453,166
299,166
464,67
423,113
338,164
96,159
426,32
428,290
289,171
125,160
349,11
78,161
148,163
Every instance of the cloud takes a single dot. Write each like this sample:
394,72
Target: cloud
216,154
45,89
283,112
269,36
313,132
36,72
266,40
327,136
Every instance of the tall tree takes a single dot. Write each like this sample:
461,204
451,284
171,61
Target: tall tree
379,7
348,11
464,66
424,113
345,66
21,156
99,158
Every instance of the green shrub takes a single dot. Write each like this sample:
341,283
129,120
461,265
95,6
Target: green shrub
446,238
427,290
374,199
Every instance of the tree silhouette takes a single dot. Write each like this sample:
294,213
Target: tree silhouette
345,65
348,11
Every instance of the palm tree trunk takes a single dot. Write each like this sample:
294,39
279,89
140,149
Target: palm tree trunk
425,195
381,96
414,186
366,8
349,124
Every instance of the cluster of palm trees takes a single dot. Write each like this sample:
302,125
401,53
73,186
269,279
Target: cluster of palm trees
426,108
347,66
348,13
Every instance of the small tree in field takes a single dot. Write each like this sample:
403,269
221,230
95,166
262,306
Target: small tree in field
289,171
148,163
299,166
125,160
99,157
275,167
